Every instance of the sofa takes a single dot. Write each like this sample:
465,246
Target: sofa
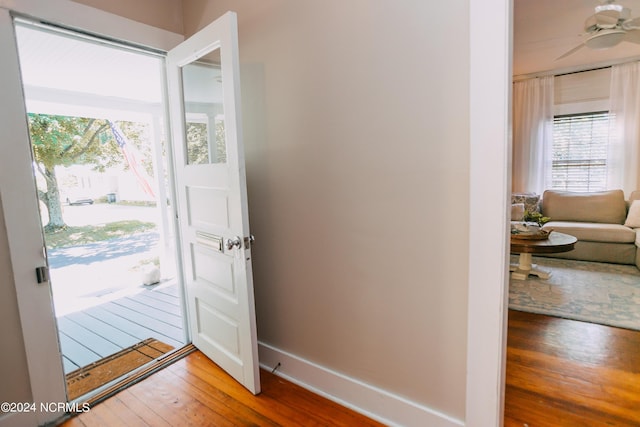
606,225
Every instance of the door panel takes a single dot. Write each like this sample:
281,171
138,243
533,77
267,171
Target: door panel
204,95
207,207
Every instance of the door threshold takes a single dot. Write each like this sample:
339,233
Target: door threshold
131,379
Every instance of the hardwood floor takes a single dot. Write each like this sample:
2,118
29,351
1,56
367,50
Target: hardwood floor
567,373
195,392
560,373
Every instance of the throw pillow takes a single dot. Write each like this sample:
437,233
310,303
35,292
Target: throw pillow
633,217
531,201
517,212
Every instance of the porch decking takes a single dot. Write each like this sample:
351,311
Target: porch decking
89,335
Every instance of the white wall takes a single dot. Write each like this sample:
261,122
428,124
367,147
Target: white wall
165,14
356,131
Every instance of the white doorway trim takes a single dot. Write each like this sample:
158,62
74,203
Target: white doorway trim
26,244
490,181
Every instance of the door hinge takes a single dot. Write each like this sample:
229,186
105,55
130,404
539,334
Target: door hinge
42,274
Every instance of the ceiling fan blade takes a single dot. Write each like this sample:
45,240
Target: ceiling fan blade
571,52
632,36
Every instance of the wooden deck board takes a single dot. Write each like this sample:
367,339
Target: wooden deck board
169,290
96,342
166,307
87,336
159,295
166,329
118,336
76,352
160,308
148,310
68,365
139,331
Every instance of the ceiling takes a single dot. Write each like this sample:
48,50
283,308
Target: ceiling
58,61
543,30
66,74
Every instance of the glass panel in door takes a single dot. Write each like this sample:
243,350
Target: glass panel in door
204,110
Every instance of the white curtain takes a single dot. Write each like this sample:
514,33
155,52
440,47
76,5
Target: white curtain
532,134
624,141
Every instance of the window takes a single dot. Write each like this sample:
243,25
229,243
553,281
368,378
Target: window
579,160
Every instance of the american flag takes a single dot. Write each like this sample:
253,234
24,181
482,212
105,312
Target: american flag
130,155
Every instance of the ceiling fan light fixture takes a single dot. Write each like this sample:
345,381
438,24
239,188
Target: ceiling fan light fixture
609,8
605,39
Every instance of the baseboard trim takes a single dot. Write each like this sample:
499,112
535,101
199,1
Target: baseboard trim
378,404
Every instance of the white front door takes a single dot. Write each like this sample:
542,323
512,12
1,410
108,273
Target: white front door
204,94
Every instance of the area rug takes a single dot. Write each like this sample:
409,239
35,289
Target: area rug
97,374
608,294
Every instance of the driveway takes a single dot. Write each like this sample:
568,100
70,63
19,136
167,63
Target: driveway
138,245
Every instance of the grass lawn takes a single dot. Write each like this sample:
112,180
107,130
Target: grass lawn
95,233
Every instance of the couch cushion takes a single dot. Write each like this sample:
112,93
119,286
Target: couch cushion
607,207
593,232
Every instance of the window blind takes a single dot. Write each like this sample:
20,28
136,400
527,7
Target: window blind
579,161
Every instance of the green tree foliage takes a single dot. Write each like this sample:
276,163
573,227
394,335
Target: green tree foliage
66,141
198,143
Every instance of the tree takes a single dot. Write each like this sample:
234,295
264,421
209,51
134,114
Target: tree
65,141
198,143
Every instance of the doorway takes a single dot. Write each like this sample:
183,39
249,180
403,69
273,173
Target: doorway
96,124
214,297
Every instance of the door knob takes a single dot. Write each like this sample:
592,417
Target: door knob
235,242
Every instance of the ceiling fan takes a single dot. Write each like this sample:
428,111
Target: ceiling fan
608,26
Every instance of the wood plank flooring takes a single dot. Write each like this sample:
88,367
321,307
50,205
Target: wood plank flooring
89,335
195,392
560,373
567,373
